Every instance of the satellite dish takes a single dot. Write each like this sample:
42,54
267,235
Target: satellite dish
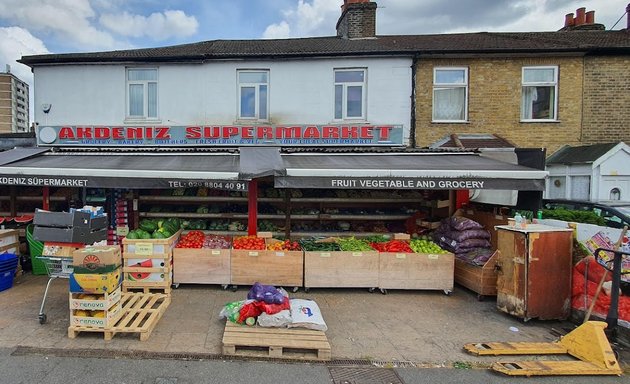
46,107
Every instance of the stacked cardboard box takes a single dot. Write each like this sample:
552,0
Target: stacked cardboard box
95,287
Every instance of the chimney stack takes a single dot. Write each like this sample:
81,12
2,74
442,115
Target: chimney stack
628,16
583,21
357,20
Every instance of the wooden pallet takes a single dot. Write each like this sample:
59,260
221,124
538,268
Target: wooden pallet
286,343
165,289
140,314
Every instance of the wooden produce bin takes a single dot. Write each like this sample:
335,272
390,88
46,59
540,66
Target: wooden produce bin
148,263
481,279
201,266
10,241
341,269
279,268
416,271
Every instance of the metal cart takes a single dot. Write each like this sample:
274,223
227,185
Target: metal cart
57,267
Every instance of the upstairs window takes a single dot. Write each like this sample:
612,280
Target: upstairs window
539,94
350,95
142,93
450,94
253,87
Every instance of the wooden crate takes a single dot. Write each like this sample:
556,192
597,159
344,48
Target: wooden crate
416,271
480,279
139,313
341,269
201,266
10,241
280,268
287,343
148,264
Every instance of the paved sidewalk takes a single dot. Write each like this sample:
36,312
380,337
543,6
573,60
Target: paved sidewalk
420,327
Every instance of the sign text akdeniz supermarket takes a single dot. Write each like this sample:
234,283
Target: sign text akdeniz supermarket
224,135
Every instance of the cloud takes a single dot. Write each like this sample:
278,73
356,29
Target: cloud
70,20
158,25
16,42
314,18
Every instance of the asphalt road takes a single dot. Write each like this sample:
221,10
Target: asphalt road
37,368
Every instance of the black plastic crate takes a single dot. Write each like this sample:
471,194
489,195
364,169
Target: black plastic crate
69,219
83,235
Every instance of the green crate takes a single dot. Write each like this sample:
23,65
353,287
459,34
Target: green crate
36,248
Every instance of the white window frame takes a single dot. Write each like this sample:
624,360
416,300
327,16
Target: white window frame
256,86
437,85
344,95
145,106
553,84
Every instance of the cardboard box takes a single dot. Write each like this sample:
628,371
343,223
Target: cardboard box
91,302
95,282
99,259
96,319
60,249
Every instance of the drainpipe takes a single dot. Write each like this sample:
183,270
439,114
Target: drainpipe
412,127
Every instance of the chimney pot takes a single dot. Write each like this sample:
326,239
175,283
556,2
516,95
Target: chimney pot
580,16
569,20
590,17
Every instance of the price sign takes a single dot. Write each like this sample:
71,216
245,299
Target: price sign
144,249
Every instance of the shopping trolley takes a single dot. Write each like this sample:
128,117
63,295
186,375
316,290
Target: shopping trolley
57,267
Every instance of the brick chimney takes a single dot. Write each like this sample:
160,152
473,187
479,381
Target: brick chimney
357,20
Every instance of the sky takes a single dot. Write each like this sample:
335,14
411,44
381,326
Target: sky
31,27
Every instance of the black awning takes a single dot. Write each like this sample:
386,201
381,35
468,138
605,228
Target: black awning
406,171
15,154
126,170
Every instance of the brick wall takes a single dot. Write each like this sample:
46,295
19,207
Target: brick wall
494,102
606,99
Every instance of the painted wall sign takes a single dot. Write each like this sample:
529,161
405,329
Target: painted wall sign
120,182
223,135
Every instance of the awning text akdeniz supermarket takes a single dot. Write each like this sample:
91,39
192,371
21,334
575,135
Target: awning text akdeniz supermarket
44,181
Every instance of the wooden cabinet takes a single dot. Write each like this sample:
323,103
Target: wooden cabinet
534,271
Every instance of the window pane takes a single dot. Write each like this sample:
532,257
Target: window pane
248,100
142,74
262,101
538,103
349,76
538,75
450,77
136,100
448,103
354,102
252,77
338,101
152,94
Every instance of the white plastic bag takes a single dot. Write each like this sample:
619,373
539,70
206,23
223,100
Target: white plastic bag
281,319
306,314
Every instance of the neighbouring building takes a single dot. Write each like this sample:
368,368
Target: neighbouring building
14,110
598,172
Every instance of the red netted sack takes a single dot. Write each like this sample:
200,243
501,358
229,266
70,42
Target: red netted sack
592,269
